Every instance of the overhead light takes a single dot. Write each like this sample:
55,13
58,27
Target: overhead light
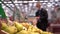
49,5
12,5
34,4
30,4
16,4
5,2
15,1
26,8
51,0
41,1
9,2
44,3
25,2
56,0
33,0
0,2
3,7
19,1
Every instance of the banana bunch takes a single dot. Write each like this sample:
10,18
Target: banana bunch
22,28
18,26
9,29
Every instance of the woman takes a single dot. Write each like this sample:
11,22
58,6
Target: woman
42,17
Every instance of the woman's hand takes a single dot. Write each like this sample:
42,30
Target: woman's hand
34,22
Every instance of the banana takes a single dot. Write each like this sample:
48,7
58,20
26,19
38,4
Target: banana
19,26
4,26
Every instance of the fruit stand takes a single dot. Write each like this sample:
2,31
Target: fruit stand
55,28
21,28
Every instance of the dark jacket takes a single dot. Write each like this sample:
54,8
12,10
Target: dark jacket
42,22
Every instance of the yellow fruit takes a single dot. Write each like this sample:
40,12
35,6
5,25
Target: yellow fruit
23,32
34,29
34,33
19,26
11,29
25,25
4,26
30,28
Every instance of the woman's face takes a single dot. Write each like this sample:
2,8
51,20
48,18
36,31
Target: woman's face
38,6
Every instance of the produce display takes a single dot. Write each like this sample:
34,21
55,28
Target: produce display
22,28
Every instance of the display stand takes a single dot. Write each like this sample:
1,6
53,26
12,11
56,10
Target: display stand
55,28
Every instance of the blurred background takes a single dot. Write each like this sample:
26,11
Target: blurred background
28,9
